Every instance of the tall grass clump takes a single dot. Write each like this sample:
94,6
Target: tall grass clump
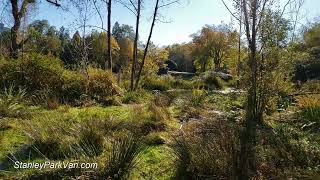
10,102
160,113
180,83
138,96
90,141
198,97
311,86
157,83
310,107
58,137
145,119
214,82
122,157
48,137
206,150
182,150
153,139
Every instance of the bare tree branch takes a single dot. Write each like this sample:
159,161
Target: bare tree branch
54,2
168,4
98,11
128,7
230,11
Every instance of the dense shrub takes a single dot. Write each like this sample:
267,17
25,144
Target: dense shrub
73,87
46,78
37,73
101,85
287,151
307,70
210,81
40,72
10,73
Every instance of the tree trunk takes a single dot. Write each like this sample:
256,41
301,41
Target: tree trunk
253,115
147,45
109,35
239,47
15,29
135,47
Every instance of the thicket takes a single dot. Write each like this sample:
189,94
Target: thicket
45,79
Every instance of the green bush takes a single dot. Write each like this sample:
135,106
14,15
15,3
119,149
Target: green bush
40,72
45,77
34,72
10,73
101,85
74,86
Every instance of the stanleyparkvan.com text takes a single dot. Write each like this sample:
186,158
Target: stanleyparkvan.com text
54,165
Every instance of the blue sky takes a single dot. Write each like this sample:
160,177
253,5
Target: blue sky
185,18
